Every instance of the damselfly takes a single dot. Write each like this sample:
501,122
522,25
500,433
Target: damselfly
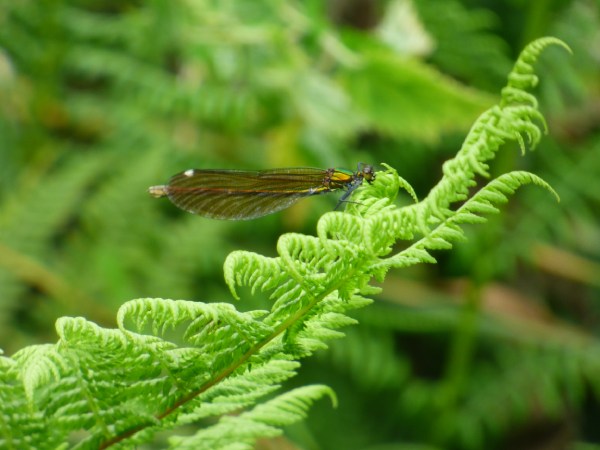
248,194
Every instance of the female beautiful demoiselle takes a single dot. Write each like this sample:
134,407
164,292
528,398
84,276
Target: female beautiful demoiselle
248,194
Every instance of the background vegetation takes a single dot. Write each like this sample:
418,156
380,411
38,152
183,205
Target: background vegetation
495,347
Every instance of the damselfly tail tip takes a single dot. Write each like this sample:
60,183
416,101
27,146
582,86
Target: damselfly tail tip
157,191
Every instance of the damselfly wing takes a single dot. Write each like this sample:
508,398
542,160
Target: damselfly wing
246,194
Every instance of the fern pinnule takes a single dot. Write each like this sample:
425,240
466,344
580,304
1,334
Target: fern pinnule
523,77
302,257
496,191
40,364
265,420
200,319
390,183
243,268
289,297
340,226
240,390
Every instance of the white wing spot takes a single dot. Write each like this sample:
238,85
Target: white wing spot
189,172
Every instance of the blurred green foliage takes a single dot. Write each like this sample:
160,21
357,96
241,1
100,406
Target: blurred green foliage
495,347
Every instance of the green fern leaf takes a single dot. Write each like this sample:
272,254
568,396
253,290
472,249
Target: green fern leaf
265,420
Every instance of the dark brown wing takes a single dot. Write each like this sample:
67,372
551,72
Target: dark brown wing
243,195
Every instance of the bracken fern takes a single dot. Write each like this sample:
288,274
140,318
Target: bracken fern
174,363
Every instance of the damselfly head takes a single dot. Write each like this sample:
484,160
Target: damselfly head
367,172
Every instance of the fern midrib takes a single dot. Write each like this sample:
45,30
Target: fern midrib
233,367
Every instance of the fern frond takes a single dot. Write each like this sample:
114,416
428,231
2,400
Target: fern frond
175,362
